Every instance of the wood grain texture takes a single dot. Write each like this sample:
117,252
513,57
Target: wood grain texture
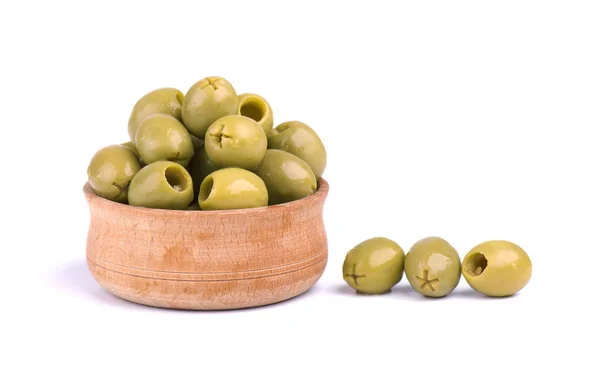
207,260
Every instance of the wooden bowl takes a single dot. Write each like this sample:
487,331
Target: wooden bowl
207,259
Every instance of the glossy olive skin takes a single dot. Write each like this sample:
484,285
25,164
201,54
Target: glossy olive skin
131,146
300,140
287,177
200,167
232,188
206,101
256,108
432,267
161,137
163,100
497,268
111,171
162,184
236,141
374,266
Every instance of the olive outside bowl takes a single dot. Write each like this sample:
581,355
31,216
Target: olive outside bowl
207,260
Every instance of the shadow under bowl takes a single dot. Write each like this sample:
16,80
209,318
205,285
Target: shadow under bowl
207,260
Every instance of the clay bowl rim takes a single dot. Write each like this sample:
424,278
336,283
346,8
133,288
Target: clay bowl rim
318,196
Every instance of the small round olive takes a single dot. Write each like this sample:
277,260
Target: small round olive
256,108
374,266
161,137
236,141
300,140
162,184
206,101
232,188
497,268
111,170
286,176
432,267
163,100
200,166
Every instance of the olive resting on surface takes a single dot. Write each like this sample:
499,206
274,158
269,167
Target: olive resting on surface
432,267
374,266
497,268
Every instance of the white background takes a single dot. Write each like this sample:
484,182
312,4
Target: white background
469,120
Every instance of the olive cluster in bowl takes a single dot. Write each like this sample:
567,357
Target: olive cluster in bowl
209,149
433,267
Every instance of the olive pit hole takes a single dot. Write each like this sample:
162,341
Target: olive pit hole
206,188
476,264
176,179
253,110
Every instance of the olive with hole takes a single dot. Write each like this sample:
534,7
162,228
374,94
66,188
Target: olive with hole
300,140
232,188
162,184
256,108
200,167
235,141
286,176
161,137
432,267
206,101
162,100
111,171
374,266
497,268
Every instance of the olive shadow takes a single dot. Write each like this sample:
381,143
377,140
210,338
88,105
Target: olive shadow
344,289
406,292
73,278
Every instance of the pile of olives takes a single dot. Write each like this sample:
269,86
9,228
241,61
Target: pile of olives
212,147
433,267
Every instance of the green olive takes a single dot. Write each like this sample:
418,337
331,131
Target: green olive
131,146
111,170
497,268
232,188
236,141
432,267
200,166
300,140
206,101
256,108
374,266
287,177
162,184
163,100
161,137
